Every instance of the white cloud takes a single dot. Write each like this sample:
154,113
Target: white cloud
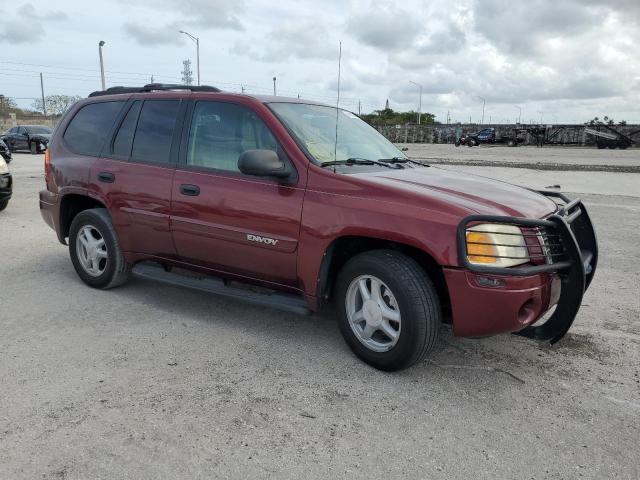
577,57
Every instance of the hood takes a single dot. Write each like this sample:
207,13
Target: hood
46,136
471,193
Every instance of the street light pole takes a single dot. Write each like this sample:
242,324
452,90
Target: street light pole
196,40
274,86
483,104
420,101
520,114
100,45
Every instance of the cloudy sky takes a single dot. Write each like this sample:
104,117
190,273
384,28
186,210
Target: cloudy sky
562,60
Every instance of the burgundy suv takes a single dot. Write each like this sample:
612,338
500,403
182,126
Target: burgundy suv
289,203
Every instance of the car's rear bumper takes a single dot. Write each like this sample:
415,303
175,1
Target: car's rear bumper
50,210
487,300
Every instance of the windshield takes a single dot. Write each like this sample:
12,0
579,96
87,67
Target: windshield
38,129
314,126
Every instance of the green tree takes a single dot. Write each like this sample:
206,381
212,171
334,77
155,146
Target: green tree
388,116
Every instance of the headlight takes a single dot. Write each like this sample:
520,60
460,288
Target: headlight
3,166
496,245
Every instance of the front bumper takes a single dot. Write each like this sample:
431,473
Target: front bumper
487,300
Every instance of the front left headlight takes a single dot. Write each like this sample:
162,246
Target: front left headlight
496,245
4,168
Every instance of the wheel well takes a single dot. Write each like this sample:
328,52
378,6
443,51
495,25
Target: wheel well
344,248
71,205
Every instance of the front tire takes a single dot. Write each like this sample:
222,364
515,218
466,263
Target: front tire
389,311
3,204
33,148
95,251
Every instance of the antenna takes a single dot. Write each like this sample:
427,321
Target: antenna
335,146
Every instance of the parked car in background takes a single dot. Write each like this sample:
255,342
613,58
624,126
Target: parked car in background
5,152
489,136
33,138
313,205
6,184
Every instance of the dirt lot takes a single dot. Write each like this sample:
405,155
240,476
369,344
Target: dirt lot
151,381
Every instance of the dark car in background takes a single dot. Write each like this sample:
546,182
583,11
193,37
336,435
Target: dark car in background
5,153
33,138
508,137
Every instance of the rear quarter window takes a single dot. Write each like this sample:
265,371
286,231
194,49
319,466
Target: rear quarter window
154,132
88,130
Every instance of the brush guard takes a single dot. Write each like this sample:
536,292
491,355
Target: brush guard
566,245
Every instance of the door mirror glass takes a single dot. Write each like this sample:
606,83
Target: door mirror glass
262,163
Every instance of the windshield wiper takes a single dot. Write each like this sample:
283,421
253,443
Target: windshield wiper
396,160
360,161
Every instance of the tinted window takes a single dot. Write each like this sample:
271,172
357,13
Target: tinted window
87,132
124,137
152,142
38,129
220,132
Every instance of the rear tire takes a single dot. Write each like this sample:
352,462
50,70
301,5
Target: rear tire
101,267
3,204
407,293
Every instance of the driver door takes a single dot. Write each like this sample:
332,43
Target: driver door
222,219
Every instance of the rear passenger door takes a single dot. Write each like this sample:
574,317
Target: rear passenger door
225,220
134,175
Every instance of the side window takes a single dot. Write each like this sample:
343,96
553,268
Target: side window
124,138
152,141
87,132
220,132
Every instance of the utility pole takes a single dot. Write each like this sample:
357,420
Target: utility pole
196,40
44,105
520,114
358,107
541,115
274,86
187,74
420,100
100,45
483,105
242,88
151,78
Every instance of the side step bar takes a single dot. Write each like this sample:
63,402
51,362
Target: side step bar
282,301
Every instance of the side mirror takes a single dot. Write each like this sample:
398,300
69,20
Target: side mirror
262,163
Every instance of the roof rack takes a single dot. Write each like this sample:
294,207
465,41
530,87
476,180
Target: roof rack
154,87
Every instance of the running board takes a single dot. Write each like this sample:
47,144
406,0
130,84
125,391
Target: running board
282,301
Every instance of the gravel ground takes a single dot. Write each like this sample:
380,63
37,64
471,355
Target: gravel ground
151,381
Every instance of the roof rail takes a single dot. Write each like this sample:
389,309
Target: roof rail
154,87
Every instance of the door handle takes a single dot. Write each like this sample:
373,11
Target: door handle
190,190
106,177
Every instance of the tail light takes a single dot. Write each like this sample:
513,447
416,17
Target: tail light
47,166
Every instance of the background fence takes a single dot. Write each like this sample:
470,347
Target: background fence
556,134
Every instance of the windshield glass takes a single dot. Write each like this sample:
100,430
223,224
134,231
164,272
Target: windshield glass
38,129
315,129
